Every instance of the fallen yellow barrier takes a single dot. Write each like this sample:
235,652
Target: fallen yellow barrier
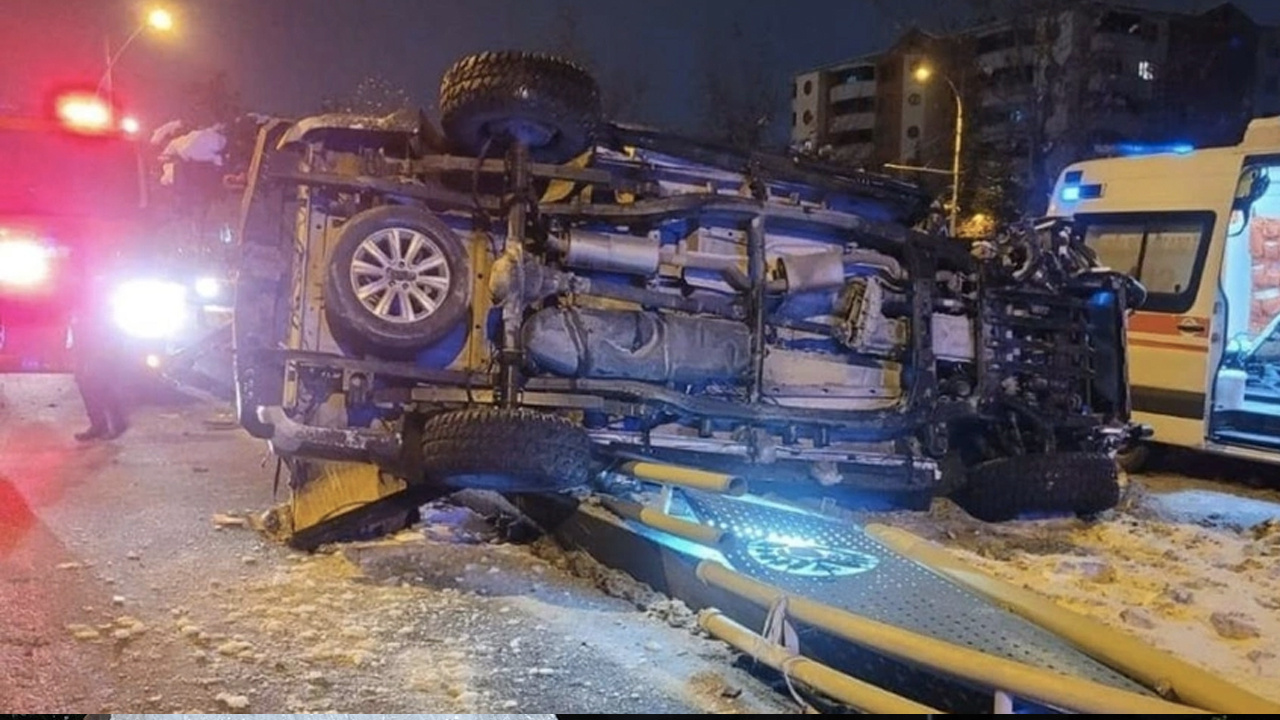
999,674
851,691
1151,666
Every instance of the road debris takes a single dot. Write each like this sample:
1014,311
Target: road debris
1234,625
222,520
81,631
232,702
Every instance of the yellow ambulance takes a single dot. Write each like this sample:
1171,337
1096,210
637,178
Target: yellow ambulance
1201,230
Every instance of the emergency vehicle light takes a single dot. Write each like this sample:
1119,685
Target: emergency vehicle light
84,112
23,263
1073,190
1135,149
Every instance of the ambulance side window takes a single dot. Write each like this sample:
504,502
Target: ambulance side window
1171,257
1165,251
1119,247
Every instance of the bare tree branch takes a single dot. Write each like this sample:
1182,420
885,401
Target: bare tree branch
374,95
623,90
740,99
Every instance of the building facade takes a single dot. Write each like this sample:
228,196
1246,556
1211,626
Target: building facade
874,110
1058,83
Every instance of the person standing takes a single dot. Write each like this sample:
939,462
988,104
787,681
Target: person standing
95,356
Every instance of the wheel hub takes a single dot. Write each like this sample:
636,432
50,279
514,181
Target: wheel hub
523,130
400,275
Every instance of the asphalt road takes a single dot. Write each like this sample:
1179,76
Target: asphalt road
119,594
89,509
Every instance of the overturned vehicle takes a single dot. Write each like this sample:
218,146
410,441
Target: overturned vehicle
533,297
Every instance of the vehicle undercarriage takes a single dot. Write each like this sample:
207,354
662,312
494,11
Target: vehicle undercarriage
535,296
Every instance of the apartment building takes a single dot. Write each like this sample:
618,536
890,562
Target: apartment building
874,110
1044,89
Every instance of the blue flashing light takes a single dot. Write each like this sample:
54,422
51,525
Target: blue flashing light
1131,149
1102,299
1071,193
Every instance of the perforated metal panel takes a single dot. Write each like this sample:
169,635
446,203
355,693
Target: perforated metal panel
837,564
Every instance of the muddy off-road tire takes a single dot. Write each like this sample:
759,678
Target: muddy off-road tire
426,304
510,450
1080,483
548,103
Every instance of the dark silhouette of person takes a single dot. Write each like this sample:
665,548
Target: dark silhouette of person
96,355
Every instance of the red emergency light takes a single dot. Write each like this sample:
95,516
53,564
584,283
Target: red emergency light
24,262
84,112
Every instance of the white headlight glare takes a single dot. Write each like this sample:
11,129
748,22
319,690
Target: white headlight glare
208,288
149,309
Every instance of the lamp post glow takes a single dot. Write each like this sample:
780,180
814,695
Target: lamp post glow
158,19
922,74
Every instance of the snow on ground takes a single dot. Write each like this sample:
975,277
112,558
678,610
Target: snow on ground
1190,566
131,582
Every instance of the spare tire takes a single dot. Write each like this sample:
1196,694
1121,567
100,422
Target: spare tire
510,450
1076,482
492,99
399,281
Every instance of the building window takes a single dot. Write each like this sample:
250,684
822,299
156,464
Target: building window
998,115
808,117
996,41
794,91
913,132
913,99
1109,65
793,119
862,73
1125,23
808,87
852,137
1145,70
1013,75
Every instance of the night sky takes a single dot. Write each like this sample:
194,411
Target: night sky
285,56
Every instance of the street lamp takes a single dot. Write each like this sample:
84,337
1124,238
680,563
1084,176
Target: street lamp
922,74
157,19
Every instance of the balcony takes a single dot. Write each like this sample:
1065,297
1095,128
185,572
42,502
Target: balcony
851,90
852,121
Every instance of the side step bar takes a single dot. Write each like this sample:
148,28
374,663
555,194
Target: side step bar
290,437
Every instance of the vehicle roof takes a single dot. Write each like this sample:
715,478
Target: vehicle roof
1262,137
1167,180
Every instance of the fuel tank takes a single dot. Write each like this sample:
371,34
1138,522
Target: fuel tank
637,345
